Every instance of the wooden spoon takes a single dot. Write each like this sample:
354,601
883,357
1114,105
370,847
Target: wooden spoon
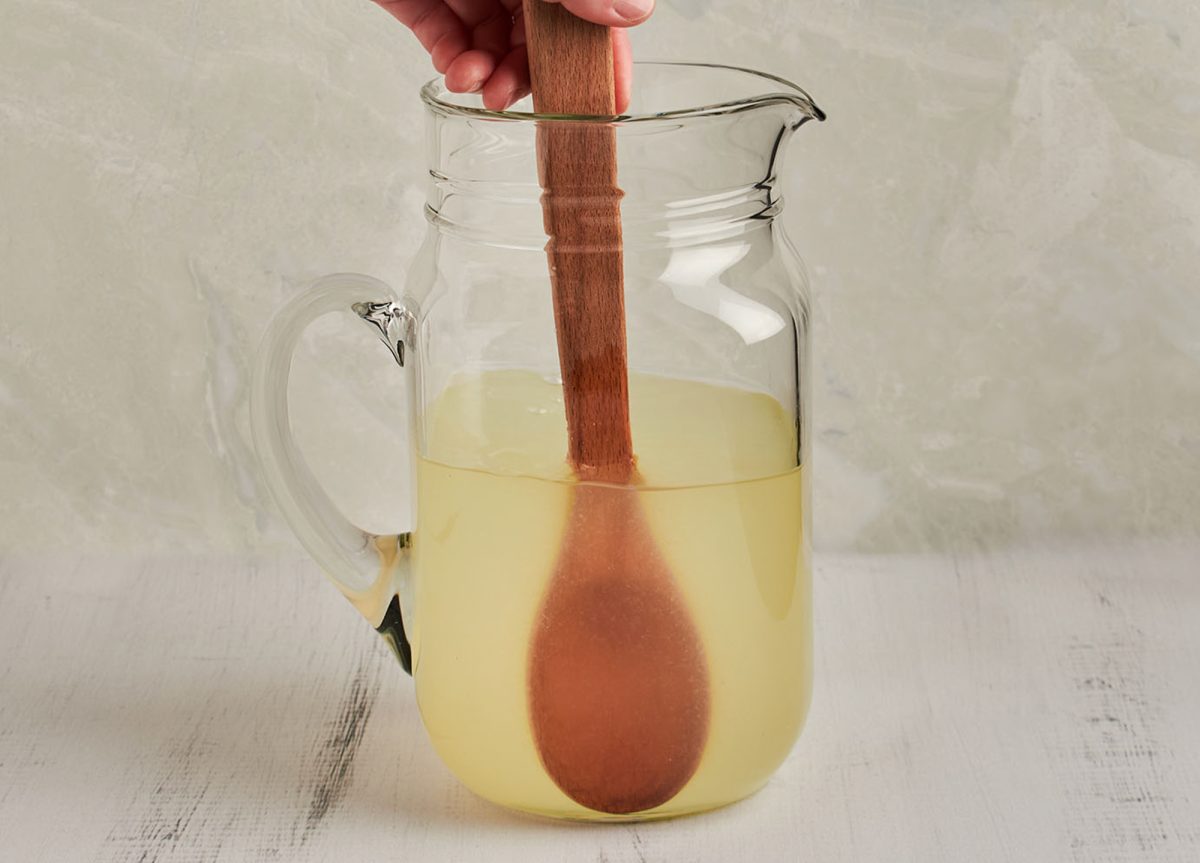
618,683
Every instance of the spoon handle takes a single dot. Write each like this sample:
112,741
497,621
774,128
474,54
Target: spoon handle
570,61
571,71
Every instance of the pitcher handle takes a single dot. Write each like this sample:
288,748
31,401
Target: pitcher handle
369,570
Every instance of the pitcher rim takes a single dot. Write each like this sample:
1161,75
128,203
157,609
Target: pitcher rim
434,91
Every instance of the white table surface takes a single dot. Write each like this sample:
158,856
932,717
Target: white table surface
1025,706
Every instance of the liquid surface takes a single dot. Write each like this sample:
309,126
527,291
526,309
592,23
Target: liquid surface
725,505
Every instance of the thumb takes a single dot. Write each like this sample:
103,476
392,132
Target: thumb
610,13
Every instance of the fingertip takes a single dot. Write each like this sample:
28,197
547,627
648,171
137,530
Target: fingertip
610,13
496,91
509,83
633,12
519,94
494,100
447,50
468,71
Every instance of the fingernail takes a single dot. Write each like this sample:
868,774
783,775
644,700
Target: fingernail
633,10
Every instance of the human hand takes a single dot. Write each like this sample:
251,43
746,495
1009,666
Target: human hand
479,45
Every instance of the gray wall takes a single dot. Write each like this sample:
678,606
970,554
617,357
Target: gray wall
1002,221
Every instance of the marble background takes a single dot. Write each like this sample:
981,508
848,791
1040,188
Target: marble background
1002,220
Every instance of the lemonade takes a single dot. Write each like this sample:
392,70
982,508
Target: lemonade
726,503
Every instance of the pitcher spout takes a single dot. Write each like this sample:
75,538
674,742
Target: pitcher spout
765,91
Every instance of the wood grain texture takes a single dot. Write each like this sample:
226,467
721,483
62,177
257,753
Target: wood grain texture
571,69
1018,706
619,698
618,683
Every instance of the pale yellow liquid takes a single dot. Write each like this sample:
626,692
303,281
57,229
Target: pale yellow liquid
726,505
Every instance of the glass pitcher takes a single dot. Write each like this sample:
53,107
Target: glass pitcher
717,322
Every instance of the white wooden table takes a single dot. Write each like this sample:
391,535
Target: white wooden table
1011,707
